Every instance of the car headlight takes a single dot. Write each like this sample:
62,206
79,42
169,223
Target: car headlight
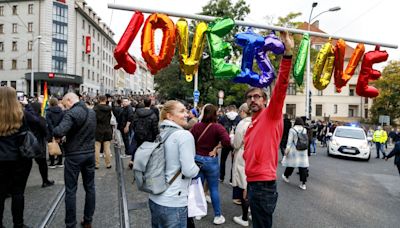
364,146
334,143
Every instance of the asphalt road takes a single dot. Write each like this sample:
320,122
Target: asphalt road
340,193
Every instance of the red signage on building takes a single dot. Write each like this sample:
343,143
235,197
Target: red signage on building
63,1
51,75
88,45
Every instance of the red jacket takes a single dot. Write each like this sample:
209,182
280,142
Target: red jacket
265,132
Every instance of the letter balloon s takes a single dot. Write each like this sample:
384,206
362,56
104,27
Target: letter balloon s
121,54
156,62
367,73
190,64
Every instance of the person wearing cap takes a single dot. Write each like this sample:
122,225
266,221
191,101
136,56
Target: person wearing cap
193,118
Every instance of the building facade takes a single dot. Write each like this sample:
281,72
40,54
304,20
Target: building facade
61,42
344,106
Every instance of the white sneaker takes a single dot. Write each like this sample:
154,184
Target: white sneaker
239,220
208,198
198,218
218,220
102,155
285,178
303,186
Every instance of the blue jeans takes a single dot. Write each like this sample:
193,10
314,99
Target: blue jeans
313,146
379,147
262,199
210,171
75,164
171,217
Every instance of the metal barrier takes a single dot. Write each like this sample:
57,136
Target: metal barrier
52,211
123,202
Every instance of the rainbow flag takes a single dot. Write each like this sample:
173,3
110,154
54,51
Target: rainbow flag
45,100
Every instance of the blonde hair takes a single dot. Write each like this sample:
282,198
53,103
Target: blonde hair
245,108
11,112
168,107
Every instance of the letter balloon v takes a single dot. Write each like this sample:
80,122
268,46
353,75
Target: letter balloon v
121,55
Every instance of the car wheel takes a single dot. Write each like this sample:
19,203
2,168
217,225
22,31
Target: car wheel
367,159
327,151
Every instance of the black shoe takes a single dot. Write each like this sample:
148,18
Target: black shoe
109,167
86,225
47,184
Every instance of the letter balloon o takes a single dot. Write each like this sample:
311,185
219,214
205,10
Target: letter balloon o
156,62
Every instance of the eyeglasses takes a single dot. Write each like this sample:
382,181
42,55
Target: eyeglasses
255,97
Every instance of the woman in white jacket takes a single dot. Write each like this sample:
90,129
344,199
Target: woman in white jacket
296,158
238,173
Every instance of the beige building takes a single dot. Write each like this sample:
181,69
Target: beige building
344,106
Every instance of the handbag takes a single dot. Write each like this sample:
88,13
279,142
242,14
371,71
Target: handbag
53,148
197,204
30,147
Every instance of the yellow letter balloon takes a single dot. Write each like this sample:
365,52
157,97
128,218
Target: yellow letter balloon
325,61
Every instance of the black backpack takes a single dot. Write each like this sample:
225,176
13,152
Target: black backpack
302,140
143,129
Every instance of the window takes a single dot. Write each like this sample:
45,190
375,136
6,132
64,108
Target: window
353,110
291,110
335,109
318,47
98,49
14,64
291,90
29,66
320,93
1,46
89,28
1,28
97,78
93,61
98,64
83,40
83,23
93,33
59,65
83,72
30,45
30,9
88,74
1,10
14,84
30,27
14,9
3,83
93,47
366,100
1,68
83,56
14,27
318,110
14,46
60,12
366,113
352,89
92,75
88,59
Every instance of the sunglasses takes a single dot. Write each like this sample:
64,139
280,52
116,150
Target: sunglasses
255,97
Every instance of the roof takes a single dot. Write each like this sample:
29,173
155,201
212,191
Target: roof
320,40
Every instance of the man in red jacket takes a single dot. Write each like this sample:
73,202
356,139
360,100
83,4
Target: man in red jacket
262,142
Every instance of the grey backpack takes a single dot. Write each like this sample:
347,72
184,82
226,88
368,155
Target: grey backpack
149,166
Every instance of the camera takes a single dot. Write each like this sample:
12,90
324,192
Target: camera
20,96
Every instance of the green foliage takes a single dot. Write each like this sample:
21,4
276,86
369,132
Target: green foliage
388,101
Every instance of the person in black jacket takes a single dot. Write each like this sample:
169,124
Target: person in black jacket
14,170
103,131
124,123
41,133
287,124
79,126
395,152
54,116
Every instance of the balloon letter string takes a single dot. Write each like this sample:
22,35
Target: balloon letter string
367,73
220,49
156,62
301,59
121,55
190,64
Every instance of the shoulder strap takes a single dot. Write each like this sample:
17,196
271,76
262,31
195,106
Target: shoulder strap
169,133
205,130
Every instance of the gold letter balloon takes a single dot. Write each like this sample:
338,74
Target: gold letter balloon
323,65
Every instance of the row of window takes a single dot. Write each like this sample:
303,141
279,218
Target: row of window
352,110
92,31
14,64
14,9
60,13
15,27
291,90
90,76
14,46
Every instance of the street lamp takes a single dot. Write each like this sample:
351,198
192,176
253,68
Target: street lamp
308,89
32,55
196,80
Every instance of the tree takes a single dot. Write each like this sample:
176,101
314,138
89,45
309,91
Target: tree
388,101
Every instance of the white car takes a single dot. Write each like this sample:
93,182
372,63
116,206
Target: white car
349,142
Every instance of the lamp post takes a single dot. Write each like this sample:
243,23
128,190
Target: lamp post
32,73
196,82
308,88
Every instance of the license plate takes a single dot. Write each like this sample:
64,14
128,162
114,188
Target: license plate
348,150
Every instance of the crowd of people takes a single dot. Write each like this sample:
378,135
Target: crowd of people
85,127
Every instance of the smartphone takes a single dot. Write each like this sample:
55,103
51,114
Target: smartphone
20,95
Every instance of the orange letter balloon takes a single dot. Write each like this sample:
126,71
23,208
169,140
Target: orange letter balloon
353,62
340,49
156,62
121,55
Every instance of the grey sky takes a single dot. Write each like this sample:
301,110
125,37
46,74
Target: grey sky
373,20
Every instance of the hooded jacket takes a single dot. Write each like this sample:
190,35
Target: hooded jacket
103,126
54,115
147,118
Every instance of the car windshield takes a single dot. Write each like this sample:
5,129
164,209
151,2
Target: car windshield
350,133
